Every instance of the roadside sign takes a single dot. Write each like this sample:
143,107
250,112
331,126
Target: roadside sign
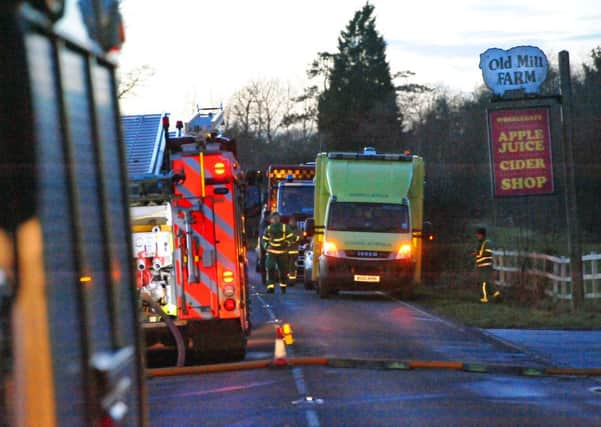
520,147
519,68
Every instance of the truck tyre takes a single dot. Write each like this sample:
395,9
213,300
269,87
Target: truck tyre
324,289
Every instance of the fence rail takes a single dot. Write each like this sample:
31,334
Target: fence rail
553,272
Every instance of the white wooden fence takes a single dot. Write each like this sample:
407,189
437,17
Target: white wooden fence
514,267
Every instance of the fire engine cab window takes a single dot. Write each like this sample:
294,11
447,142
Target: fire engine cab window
372,217
295,200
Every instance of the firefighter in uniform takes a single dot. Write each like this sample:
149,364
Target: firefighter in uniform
483,257
293,249
275,242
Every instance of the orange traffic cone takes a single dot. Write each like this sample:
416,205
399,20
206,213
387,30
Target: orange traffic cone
279,352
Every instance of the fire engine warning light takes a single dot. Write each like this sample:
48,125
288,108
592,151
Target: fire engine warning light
219,168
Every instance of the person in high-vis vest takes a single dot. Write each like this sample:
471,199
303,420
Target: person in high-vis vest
275,242
483,257
293,249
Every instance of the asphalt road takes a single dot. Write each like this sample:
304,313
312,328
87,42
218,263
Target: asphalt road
573,349
371,326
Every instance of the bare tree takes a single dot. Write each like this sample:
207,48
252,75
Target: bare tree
133,79
258,108
414,99
239,111
301,114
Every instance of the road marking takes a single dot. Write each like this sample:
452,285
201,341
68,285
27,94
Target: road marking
312,420
268,309
301,388
426,319
297,373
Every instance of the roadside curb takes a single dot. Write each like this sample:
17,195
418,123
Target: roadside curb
546,362
528,351
379,364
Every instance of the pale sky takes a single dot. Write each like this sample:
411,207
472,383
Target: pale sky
202,51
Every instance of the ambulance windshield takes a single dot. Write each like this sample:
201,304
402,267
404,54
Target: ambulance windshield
295,200
370,217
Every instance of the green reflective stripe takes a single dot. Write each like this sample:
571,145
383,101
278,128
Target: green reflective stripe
274,251
170,309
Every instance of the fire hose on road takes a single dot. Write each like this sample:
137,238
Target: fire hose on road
179,340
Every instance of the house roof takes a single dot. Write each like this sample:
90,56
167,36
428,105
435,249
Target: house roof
143,136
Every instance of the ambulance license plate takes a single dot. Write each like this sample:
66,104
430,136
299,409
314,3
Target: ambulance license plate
366,278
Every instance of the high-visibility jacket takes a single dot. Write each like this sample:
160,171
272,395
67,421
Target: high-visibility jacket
276,238
484,255
294,239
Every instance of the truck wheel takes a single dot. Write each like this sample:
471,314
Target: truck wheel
324,288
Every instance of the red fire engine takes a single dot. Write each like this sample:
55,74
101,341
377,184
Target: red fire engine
203,285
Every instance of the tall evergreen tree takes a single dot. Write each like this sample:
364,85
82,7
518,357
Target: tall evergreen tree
587,129
358,106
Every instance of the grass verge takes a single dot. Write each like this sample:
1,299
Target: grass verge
463,305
